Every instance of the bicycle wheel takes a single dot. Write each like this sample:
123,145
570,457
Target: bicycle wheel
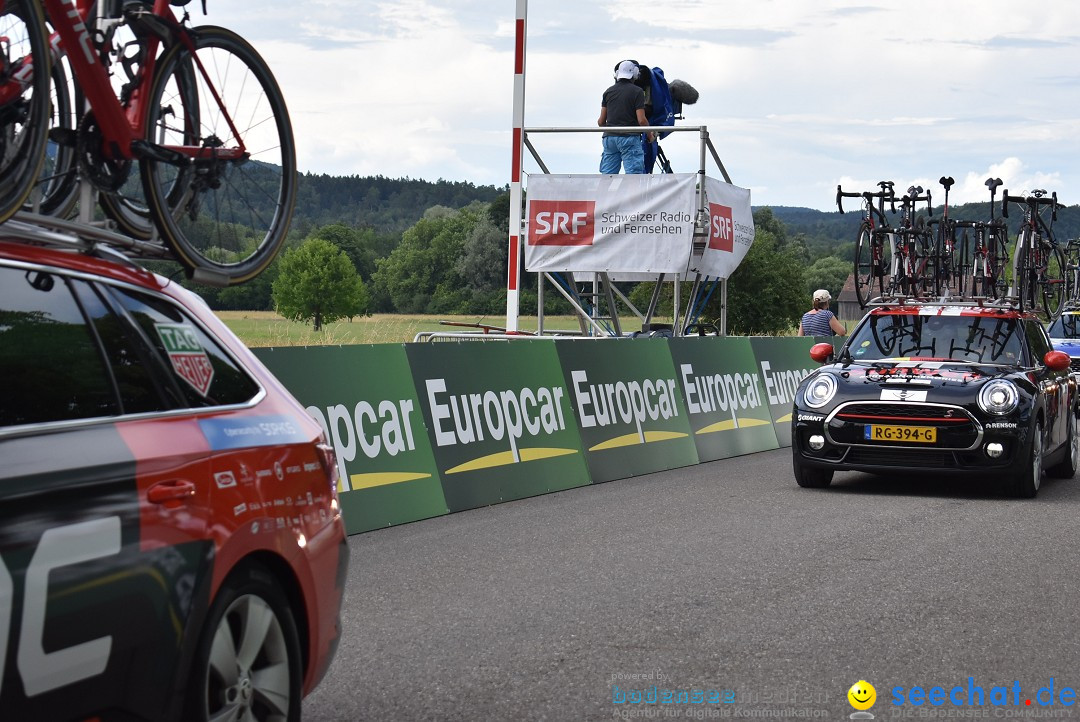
24,111
946,263
56,189
926,263
1022,282
961,266
224,218
998,258
1052,282
863,270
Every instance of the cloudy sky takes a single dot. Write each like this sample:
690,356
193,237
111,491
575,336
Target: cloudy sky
797,96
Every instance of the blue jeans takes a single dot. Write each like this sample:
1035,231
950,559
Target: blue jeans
624,149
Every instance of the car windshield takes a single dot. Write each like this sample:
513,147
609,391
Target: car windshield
971,339
1066,326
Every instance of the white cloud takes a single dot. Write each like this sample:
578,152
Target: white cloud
795,95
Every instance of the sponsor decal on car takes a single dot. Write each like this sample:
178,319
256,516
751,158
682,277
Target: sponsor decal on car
188,358
903,394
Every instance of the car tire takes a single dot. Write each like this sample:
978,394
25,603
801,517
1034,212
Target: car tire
1066,468
1030,476
248,662
809,477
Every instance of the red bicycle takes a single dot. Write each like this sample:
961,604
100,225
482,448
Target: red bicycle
198,117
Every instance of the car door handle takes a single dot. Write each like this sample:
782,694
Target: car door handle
172,490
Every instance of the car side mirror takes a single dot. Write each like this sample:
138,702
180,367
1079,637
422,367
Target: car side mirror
821,352
1055,360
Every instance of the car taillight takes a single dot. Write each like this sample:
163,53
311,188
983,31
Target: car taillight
328,459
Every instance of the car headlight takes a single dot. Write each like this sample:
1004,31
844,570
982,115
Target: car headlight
820,391
999,397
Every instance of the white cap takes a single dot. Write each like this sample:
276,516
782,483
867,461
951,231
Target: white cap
627,70
822,295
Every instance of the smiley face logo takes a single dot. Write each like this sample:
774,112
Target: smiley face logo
862,695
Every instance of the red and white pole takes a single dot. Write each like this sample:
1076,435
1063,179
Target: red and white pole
513,275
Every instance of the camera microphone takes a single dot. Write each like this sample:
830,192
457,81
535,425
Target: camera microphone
683,92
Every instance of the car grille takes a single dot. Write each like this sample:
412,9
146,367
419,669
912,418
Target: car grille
929,458
956,429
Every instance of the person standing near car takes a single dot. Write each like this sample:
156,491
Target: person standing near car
623,105
819,320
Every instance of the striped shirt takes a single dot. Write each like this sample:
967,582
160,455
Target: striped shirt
817,324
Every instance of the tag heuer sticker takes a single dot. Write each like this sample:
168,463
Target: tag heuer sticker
188,358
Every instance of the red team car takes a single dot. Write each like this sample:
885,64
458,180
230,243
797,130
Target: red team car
171,545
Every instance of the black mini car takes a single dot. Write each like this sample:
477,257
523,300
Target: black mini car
920,388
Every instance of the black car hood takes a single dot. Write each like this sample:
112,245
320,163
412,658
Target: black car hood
927,373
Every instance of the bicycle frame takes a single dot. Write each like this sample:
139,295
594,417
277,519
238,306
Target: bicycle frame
123,124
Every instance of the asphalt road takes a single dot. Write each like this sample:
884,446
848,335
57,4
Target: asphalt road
724,578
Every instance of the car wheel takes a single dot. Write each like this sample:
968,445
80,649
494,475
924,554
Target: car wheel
1027,482
809,477
1066,468
247,665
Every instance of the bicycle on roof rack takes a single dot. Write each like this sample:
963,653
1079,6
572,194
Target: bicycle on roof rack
1072,270
1038,269
875,244
914,263
200,116
983,253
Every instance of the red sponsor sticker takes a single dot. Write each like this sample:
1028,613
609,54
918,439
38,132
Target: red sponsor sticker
721,228
561,223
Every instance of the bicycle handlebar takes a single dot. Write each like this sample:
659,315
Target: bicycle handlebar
886,193
1037,198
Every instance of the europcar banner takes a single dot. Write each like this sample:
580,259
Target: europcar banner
629,407
731,228
725,396
634,223
499,418
782,363
364,398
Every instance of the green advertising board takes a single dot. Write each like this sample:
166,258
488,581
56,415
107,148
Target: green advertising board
499,420
725,397
782,363
364,398
628,405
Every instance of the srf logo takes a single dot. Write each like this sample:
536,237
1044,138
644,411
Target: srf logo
562,223
721,229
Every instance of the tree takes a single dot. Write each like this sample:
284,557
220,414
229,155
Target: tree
358,243
317,282
829,273
421,275
483,265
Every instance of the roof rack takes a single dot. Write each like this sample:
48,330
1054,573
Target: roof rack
42,230
47,231
1011,303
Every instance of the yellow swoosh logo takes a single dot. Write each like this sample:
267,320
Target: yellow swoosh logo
382,478
730,424
634,439
505,458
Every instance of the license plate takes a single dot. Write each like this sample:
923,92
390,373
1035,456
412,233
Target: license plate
919,434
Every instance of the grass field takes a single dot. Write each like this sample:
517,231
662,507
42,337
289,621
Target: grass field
266,328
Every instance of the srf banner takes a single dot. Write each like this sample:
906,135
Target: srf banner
731,228
610,223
